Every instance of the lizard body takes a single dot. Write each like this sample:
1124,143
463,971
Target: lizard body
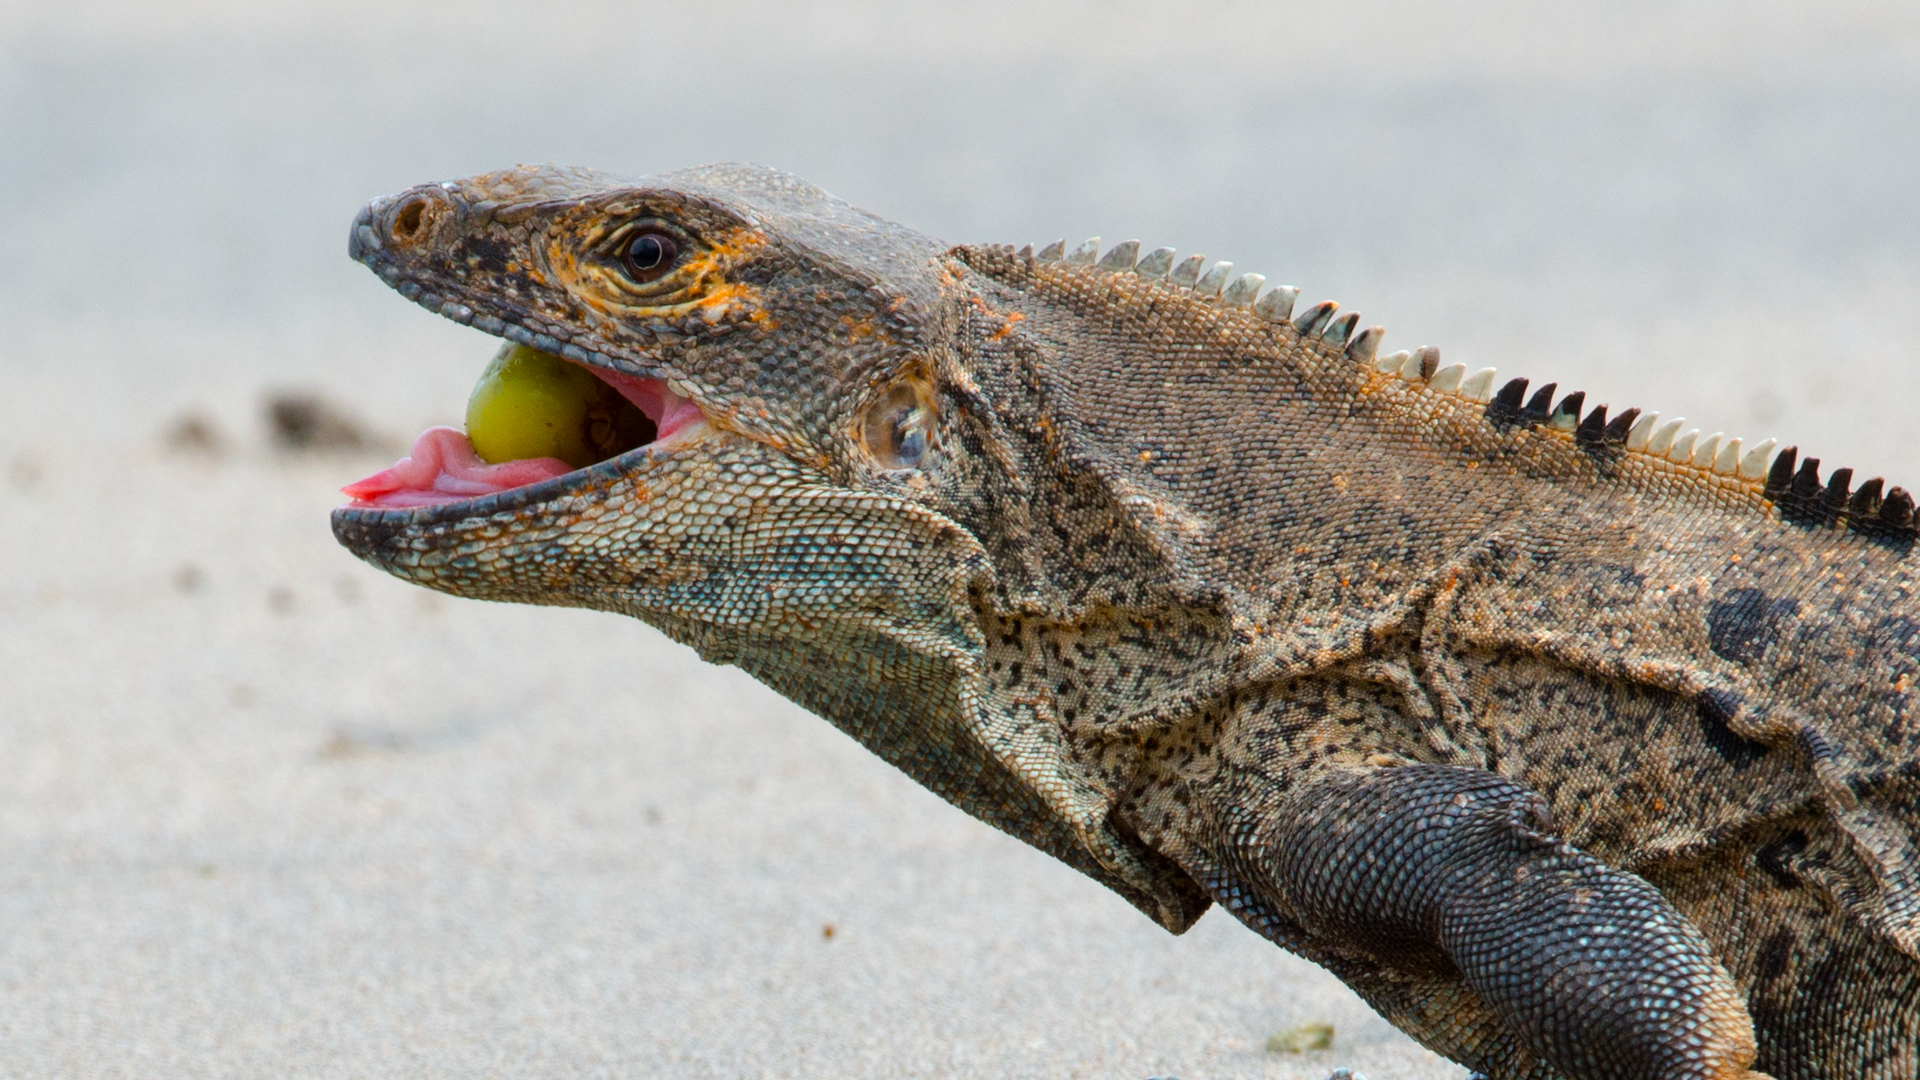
1573,756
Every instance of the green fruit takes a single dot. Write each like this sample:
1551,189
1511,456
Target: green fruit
530,404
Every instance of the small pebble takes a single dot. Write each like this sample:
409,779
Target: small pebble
194,433
303,420
1301,1038
1344,1073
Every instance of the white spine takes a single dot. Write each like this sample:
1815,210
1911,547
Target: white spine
1641,431
1479,385
1703,451
1214,280
1156,263
1754,465
1277,305
1243,290
1121,257
1661,441
1188,271
1727,461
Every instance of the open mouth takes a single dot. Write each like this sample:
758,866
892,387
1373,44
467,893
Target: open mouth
533,416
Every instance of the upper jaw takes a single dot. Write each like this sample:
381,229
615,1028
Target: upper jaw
411,273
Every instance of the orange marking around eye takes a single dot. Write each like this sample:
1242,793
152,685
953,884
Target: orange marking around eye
714,293
723,255
1007,328
726,297
707,288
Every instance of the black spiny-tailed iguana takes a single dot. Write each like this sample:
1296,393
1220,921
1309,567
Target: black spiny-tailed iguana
1577,746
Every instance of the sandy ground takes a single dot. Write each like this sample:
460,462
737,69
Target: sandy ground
264,812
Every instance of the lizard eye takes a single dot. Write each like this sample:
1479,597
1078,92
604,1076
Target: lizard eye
648,256
899,429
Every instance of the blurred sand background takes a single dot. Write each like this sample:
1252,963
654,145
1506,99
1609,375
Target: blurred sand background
264,812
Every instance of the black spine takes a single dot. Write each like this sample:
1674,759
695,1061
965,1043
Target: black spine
1593,427
1538,405
1866,500
1801,503
1504,409
1833,502
1887,521
1619,426
1806,482
1780,476
1897,511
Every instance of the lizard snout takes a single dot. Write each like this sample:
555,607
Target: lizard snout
408,220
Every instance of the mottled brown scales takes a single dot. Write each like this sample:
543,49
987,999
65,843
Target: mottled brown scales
1574,759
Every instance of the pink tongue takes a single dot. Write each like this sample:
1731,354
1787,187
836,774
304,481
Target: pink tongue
445,469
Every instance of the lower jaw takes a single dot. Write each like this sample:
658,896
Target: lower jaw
390,535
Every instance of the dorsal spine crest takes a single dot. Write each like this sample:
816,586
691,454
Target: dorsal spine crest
1797,495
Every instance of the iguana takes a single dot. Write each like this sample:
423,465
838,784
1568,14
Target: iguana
1577,745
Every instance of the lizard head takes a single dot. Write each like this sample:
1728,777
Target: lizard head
770,336
779,502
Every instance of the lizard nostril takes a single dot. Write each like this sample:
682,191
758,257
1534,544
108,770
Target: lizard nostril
414,220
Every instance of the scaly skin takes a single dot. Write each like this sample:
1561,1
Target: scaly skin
1573,761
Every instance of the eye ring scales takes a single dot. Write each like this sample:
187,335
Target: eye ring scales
648,256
